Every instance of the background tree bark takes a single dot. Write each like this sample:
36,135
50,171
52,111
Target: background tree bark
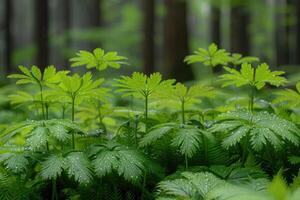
176,41
41,33
7,36
148,45
239,33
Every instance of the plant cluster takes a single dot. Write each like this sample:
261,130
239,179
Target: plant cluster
144,137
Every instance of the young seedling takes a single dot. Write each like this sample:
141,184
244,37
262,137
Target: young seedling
76,89
143,87
255,78
98,59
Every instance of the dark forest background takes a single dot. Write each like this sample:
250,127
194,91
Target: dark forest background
155,35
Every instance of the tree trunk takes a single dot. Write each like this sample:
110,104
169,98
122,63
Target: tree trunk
239,33
297,12
176,41
67,28
41,33
148,7
281,34
7,36
215,17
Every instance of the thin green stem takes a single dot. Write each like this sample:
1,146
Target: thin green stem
63,112
42,101
54,192
136,121
146,113
183,111
73,117
252,93
186,162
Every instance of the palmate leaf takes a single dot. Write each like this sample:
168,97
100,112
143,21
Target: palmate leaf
188,186
78,87
40,132
258,77
75,164
52,167
127,162
261,128
182,93
289,96
34,75
187,138
98,59
140,85
209,57
237,59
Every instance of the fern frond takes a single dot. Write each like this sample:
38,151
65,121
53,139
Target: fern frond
261,128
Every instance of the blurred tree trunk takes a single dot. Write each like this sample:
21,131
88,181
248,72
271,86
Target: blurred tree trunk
41,32
67,28
215,17
148,7
239,33
176,41
281,33
297,12
7,36
94,18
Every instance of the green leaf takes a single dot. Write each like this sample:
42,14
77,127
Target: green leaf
78,166
156,133
238,59
52,167
127,162
38,138
188,140
289,96
140,85
16,163
98,59
59,132
258,77
209,57
262,128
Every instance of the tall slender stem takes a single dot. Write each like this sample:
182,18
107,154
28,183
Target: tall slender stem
54,193
136,122
73,116
186,162
183,111
146,113
252,93
42,101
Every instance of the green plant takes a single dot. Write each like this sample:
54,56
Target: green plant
143,87
98,59
256,78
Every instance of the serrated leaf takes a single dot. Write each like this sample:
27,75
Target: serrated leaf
98,59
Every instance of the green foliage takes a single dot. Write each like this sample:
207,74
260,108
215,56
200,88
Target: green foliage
209,57
186,138
184,94
259,129
75,164
237,59
34,75
128,163
139,85
255,77
79,88
227,152
98,59
289,96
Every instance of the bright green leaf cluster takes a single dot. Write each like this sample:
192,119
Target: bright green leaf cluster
98,59
255,77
